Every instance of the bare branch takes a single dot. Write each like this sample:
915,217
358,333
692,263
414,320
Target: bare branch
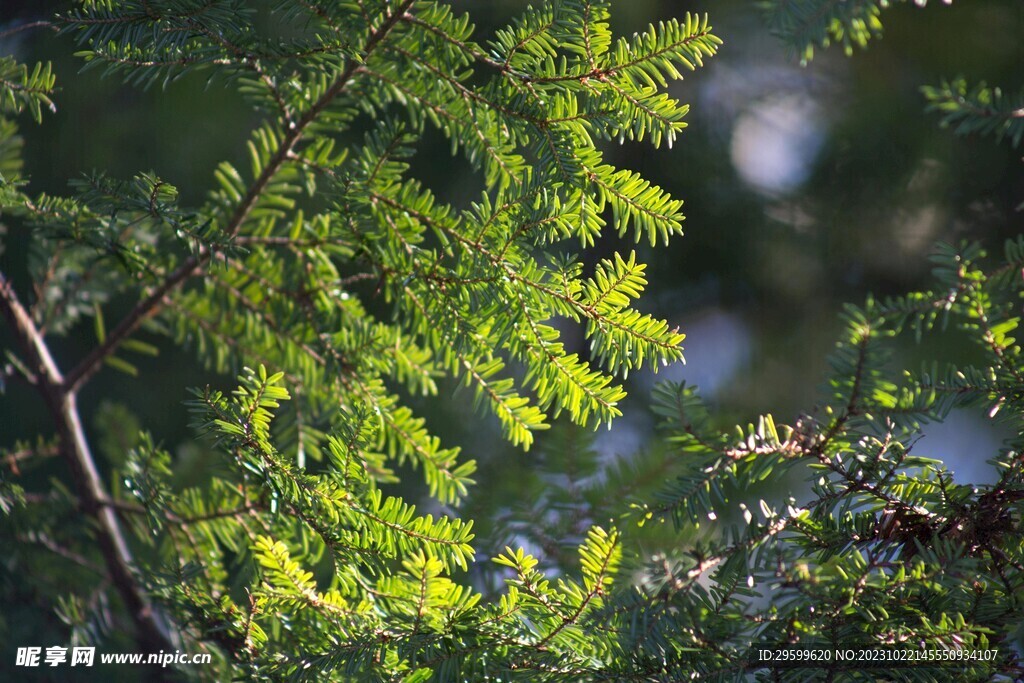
26,27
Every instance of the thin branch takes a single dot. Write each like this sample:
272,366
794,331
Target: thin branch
233,513
144,310
152,631
27,27
14,458
56,548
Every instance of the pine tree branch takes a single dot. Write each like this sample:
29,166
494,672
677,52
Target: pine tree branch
469,49
143,310
56,548
153,302
27,27
14,458
152,633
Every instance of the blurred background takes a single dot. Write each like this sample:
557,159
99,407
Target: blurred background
804,188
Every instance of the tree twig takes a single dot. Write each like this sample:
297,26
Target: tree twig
152,631
26,27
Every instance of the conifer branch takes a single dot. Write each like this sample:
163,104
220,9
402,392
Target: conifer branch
57,549
153,302
479,295
151,631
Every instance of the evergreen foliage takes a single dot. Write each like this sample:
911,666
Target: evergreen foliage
802,24
335,284
978,109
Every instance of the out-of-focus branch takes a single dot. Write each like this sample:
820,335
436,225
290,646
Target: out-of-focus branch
152,632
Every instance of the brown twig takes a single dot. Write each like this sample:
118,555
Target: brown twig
152,632
26,27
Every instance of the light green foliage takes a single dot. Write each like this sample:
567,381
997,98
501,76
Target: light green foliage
467,289
880,544
21,89
331,264
335,284
804,24
388,604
